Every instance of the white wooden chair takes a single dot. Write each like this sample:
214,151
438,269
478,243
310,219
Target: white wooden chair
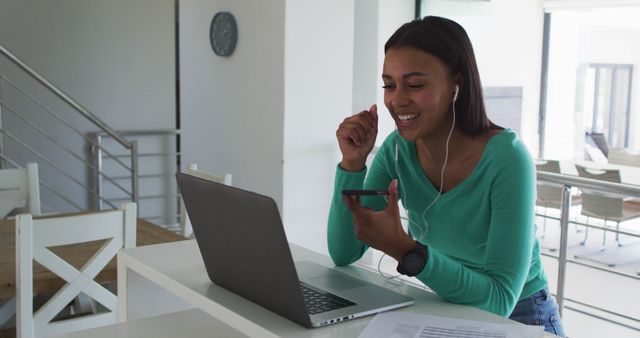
20,188
185,224
34,237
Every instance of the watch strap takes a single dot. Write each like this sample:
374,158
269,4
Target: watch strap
414,261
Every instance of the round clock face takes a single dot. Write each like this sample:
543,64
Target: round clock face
223,33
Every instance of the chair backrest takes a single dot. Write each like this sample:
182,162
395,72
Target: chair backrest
598,205
624,157
548,195
599,140
34,237
185,223
20,188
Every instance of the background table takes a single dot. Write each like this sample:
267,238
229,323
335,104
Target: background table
628,174
45,281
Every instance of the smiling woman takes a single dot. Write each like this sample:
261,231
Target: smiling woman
468,185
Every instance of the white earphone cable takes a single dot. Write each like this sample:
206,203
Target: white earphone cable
423,232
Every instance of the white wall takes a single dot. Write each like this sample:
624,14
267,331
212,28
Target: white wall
564,135
232,109
333,66
391,15
507,40
375,21
114,57
366,50
319,86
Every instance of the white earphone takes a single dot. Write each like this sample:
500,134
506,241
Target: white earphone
423,232
455,96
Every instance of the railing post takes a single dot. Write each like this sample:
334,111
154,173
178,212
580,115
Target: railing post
2,164
96,161
134,173
564,236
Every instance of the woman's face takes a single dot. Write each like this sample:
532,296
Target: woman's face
418,91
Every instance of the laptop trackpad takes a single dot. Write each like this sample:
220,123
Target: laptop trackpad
336,282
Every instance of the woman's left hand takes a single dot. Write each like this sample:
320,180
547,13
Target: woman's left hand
381,230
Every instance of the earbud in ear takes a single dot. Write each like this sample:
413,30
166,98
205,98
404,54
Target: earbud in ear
455,95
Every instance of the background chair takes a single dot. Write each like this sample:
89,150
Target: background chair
550,196
20,188
185,223
34,237
599,141
19,192
615,209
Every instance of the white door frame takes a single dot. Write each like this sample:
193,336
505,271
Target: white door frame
550,5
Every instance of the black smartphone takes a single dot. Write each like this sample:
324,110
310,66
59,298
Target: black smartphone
365,192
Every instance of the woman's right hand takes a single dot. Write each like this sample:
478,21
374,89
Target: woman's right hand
356,138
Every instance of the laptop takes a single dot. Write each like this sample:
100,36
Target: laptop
245,250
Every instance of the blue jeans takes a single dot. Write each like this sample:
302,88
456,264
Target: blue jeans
539,309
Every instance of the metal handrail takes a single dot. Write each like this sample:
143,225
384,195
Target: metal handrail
130,145
66,98
96,142
591,185
145,132
61,146
55,115
45,160
99,136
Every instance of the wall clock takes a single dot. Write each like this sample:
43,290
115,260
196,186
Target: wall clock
223,34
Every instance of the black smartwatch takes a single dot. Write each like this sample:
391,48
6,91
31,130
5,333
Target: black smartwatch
414,261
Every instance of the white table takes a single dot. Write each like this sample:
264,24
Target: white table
193,323
628,174
178,270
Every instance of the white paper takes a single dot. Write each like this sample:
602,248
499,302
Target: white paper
412,325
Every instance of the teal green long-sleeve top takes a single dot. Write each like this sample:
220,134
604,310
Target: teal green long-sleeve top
481,234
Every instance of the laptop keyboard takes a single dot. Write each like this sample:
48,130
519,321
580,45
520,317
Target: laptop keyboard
318,302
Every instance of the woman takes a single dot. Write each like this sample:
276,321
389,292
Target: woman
468,185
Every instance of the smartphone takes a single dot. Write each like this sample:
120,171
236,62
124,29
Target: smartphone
365,192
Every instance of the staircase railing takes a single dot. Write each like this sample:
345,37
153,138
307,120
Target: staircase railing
34,137
158,161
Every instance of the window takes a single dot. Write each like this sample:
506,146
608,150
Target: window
603,100
590,80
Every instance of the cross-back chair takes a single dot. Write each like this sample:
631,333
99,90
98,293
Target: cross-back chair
34,240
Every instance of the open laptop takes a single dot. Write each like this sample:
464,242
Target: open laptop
245,250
